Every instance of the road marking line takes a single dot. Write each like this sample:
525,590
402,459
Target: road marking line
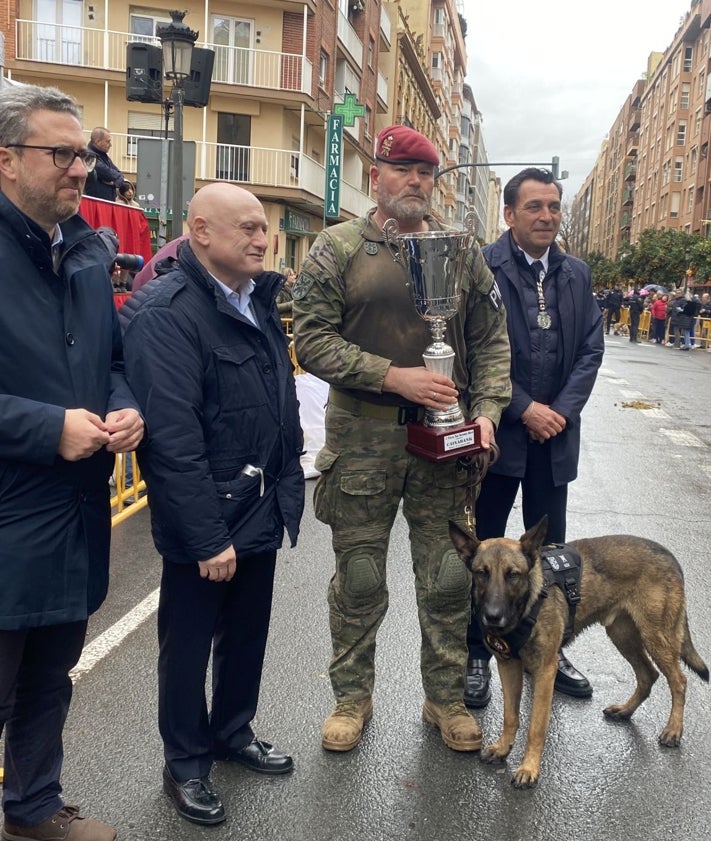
682,438
659,414
105,643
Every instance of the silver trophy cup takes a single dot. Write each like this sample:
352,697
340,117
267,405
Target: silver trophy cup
435,261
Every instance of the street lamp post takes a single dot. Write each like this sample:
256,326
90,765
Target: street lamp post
177,41
687,270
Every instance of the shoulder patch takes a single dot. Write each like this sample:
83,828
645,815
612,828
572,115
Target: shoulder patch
495,297
301,288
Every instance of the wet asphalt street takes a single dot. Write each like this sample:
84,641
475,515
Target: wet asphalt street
645,469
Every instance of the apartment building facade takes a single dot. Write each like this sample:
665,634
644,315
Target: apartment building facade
280,67
653,168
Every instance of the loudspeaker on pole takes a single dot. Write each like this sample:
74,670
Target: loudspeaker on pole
197,85
144,73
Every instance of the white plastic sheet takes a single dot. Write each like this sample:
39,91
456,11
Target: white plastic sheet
313,396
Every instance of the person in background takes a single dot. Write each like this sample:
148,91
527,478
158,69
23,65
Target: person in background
285,298
65,411
687,320
613,304
675,308
705,311
106,178
208,361
126,193
635,303
357,328
659,318
557,345
160,263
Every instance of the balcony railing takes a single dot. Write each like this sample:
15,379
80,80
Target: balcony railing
382,87
252,166
350,40
385,29
106,50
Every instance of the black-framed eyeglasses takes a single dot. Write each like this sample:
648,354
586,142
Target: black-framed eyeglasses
62,156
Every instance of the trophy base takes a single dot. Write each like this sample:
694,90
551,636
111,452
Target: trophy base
443,444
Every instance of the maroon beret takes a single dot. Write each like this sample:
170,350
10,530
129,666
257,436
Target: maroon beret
403,145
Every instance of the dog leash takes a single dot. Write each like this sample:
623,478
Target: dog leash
476,467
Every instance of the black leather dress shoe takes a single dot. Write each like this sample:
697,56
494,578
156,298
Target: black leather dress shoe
570,681
259,756
477,693
195,800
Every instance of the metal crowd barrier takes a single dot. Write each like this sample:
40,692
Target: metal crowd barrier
129,494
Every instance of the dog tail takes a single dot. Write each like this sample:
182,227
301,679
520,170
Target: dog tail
690,655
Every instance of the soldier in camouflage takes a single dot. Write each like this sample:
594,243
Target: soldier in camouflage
356,327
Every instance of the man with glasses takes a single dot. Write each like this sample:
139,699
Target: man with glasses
65,410
105,178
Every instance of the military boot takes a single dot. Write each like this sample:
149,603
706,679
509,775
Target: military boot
458,728
343,728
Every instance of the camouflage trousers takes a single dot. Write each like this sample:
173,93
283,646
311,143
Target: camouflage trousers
366,473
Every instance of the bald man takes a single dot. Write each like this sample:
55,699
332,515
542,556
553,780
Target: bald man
207,357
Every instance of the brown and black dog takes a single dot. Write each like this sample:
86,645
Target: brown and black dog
632,586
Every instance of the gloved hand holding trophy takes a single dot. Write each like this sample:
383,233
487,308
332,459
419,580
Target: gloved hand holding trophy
435,264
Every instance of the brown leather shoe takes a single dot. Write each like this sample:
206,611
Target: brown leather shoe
66,825
344,727
458,728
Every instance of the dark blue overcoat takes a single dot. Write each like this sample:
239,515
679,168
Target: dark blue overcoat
60,348
582,344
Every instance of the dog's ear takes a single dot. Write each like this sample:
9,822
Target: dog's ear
532,540
465,543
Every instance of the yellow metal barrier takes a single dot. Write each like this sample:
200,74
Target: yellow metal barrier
128,498
645,323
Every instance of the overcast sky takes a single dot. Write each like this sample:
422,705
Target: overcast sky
550,77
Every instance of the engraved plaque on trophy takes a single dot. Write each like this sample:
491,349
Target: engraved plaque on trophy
435,264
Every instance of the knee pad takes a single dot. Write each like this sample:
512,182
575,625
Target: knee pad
362,574
452,577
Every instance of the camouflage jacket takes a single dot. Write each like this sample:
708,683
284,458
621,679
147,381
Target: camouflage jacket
354,317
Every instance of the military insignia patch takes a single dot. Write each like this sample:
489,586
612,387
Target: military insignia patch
301,288
495,296
386,146
370,247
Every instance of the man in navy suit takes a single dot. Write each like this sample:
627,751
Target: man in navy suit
555,330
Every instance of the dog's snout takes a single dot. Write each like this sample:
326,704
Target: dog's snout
494,617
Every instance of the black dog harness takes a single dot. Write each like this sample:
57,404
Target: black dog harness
562,567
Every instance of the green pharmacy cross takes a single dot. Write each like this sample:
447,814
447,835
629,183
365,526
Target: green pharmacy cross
349,109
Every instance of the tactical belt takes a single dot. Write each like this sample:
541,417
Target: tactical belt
400,414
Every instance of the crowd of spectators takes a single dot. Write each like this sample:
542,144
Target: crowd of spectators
675,316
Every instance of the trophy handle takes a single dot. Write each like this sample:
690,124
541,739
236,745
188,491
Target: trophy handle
469,221
391,230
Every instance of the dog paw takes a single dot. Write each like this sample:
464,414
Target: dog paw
618,712
670,738
494,753
524,777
